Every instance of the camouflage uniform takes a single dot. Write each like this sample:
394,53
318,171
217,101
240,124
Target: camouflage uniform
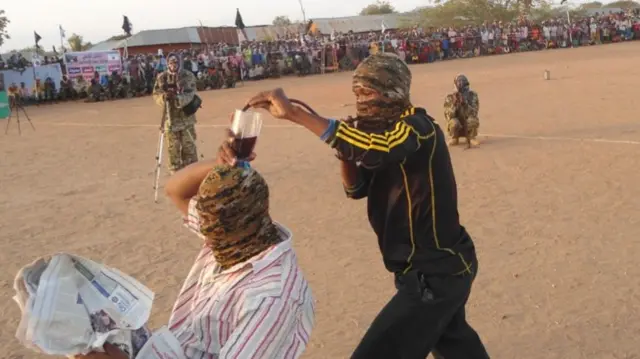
95,92
461,107
180,132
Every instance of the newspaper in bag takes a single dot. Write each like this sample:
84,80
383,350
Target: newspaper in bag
71,305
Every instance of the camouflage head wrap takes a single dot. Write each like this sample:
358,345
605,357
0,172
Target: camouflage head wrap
233,206
461,83
391,78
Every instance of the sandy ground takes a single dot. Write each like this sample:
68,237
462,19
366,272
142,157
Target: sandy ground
550,198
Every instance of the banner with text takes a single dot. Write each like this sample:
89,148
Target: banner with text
85,64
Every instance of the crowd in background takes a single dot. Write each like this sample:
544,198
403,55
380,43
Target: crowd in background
16,61
221,66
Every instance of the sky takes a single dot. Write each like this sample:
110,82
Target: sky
98,20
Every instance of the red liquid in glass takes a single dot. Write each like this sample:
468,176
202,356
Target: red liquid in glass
244,146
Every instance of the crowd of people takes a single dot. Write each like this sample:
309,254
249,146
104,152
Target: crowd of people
17,61
221,65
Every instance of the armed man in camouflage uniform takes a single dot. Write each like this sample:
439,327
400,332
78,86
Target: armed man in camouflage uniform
461,112
175,89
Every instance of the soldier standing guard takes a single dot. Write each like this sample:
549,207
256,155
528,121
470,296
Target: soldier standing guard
461,112
175,88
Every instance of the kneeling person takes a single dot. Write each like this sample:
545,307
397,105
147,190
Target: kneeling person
461,112
245,296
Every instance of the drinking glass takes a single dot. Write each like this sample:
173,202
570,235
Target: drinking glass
246,126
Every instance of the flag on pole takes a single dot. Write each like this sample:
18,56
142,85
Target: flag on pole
62,32
562,2
54,50
126,25
239,22
37,37
384,28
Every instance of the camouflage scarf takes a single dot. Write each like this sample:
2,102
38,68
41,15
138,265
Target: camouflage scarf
462,94
233,206
389,76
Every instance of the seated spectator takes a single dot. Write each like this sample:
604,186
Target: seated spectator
37,93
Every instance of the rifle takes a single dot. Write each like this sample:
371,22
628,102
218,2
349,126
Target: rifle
464,128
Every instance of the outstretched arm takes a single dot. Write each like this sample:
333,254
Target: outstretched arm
184,184
372,150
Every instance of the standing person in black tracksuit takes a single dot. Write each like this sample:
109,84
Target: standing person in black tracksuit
395,155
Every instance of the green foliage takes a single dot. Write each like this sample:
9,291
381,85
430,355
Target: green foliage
465,12
4,22
281,21
591,5
76,43
624,4
380,7
476,12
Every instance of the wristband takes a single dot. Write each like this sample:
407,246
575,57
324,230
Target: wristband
243,164
330,130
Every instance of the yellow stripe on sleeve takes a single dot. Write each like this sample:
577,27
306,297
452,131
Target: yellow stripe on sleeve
365,141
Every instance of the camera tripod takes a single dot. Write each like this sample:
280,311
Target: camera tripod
15,107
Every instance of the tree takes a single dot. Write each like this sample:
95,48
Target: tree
380,7
281,21
591,5
76,43
3,28
465,12
624,4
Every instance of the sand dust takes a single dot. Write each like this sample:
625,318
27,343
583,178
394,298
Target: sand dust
550,198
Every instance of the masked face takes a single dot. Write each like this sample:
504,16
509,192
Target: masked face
173,64
364,94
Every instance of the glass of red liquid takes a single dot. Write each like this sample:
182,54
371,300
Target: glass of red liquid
246,126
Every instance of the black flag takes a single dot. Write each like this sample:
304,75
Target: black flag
37,37
239,22
126,25
562,2
54,49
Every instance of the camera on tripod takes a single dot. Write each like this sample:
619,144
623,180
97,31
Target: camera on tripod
15,106
15,102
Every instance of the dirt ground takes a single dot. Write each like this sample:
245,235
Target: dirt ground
550,198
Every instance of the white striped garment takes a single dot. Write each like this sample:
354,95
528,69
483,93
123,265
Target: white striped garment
261,308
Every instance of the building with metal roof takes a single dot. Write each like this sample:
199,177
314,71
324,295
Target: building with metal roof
169,40
107,45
